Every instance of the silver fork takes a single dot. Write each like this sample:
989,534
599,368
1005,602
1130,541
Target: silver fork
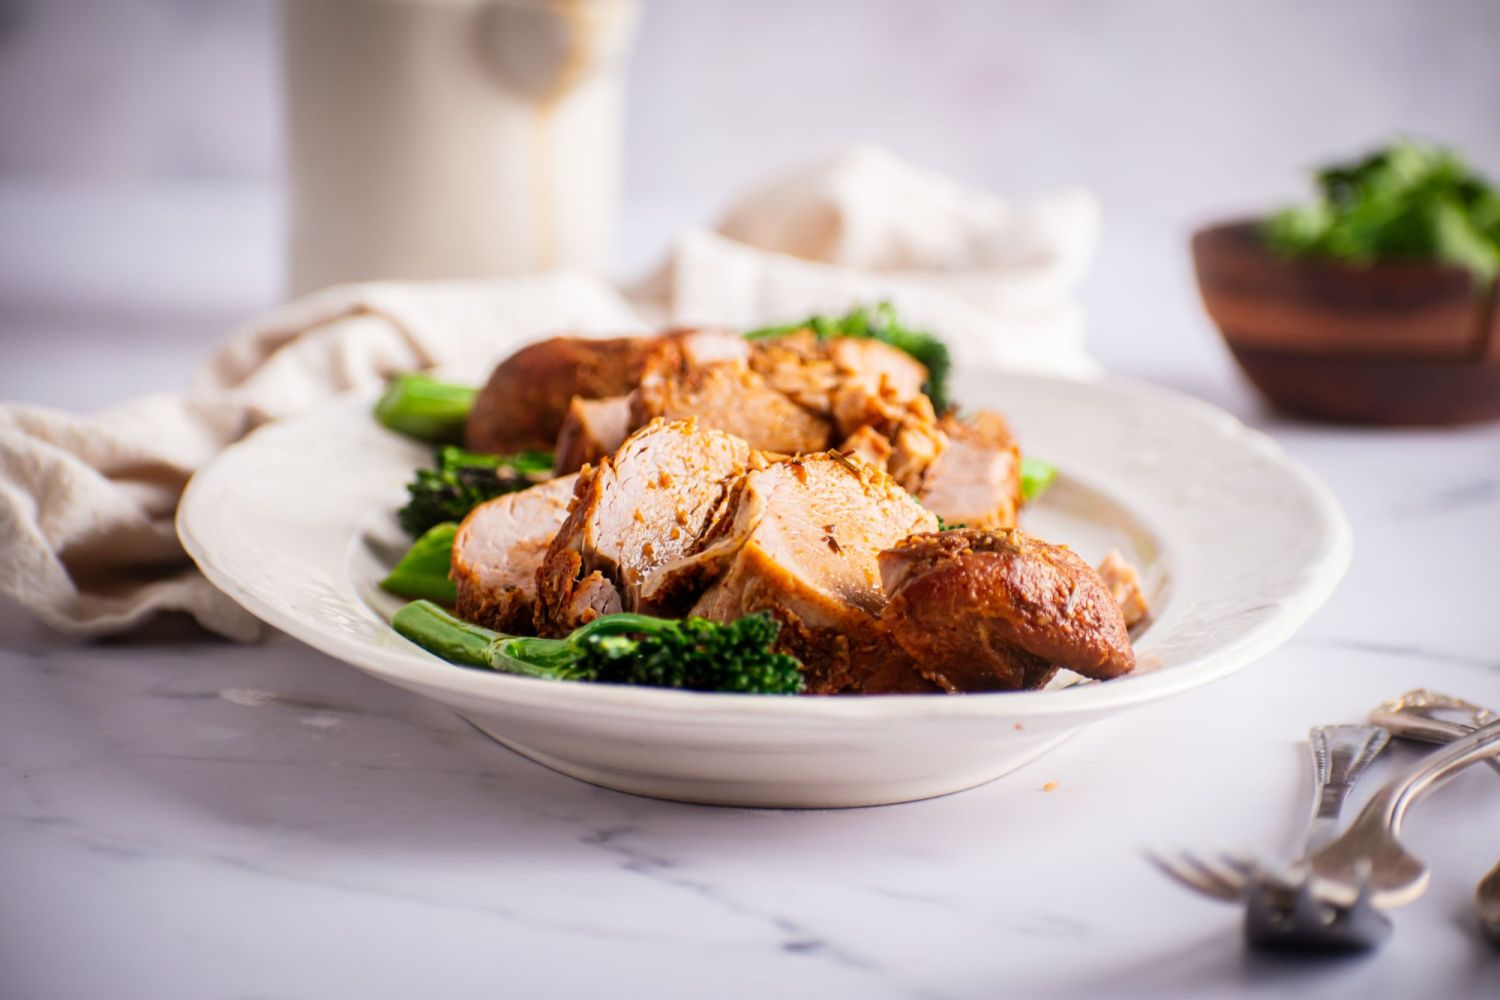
1341,754
1439,718
1274,903
1329,899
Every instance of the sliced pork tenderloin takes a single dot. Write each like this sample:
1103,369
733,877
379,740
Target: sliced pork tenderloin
869,445
729,397
975,479
808,368
499,548
637,510
591,429
1124,582
524,402
981,610
800,538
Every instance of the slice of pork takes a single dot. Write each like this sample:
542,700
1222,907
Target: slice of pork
808,369
592,429
976,479
869,445
523,404
1124,582
709,345
981,610
877,362
499,548
637,510
730,397
800,538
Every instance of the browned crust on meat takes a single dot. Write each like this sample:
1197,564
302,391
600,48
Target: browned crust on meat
508,610
827,665
524,402
1000,608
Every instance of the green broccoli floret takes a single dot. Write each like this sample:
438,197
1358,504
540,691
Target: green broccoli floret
420,406
880,323
461,480
694,654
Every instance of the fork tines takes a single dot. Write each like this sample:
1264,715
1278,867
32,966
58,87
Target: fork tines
1309,925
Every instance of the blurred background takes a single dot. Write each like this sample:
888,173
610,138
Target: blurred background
142,194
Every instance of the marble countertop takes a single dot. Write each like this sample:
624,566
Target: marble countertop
184,817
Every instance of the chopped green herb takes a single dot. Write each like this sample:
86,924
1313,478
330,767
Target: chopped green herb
1409,201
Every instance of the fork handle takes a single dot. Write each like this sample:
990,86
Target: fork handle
1388,808
1413,723
1340,755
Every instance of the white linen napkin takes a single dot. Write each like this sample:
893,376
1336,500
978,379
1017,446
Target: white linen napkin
994,279
87,501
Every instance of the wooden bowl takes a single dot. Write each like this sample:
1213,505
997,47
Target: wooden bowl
1407,343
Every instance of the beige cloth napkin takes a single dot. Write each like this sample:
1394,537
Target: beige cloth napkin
87,501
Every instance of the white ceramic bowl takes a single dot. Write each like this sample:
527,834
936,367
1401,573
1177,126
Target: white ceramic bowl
1239,544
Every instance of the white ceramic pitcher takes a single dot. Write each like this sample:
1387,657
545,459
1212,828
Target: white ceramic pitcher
452,138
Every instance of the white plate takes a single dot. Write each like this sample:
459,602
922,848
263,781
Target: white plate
1239,542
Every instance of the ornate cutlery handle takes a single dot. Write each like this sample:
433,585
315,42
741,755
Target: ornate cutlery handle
1432,717
1340,756
1368,856
1419,715
1388,808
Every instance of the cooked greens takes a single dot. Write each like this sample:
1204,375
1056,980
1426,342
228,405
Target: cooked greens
420,406
423,571
694,653
461,480
882,324
1410,201
1036,475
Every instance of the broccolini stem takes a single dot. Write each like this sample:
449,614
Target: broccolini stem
622,623
536,657
441,634
425,408
458,641
693,654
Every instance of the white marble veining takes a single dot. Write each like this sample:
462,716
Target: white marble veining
183,817
189,818
180,817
